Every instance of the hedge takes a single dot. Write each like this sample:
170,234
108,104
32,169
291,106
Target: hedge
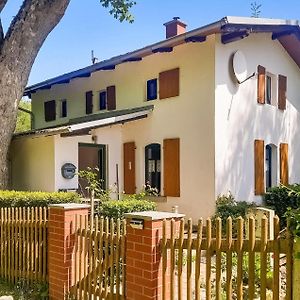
117,208
281,198
30,199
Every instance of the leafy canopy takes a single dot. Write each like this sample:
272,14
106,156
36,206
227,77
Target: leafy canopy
119,9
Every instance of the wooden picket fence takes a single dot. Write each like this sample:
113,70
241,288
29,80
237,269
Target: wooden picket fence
23,244
240,264
99,259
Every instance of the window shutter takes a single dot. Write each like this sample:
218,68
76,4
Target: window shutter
129,168
259,160
111,97
284,164
50,110
172,167
282,87
169,84
89,102
261,84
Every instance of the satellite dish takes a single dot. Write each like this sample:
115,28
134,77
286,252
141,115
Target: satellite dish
239,65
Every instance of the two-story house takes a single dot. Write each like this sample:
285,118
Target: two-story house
201,113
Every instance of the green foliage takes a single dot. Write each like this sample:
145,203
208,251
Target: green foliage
293,215
117,208
227,206
23,118
94,185
281,198
119,9
23,290
30,199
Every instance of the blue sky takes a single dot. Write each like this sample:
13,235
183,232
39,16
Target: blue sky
87,25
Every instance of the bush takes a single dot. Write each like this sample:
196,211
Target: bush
227,206
281,198
117,208
25,199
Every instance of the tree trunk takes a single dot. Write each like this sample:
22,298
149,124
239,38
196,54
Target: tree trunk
18,50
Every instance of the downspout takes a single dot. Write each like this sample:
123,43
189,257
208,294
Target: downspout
31,116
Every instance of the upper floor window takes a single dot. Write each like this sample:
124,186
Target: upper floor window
271,89
152,166
50,110
152,89
63,112
102,100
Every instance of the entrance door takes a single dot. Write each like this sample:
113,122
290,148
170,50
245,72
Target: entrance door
93,156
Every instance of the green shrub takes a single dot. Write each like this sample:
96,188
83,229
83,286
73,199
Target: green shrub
117,208
281,198
227,206
24,199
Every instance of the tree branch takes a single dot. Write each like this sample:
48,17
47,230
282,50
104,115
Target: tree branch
2,4
27,33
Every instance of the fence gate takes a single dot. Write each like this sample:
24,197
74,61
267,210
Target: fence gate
233,262
23,244
99,259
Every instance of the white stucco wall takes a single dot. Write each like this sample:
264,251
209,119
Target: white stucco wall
66,151
240,119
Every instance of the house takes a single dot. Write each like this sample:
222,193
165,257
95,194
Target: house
201,113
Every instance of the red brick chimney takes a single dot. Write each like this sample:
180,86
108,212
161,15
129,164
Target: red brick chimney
175,27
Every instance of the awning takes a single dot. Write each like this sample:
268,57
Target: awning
80,126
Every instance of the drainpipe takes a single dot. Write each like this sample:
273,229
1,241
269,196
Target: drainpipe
31,116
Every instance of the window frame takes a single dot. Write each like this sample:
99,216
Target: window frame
271,88
156,179
99,100
61,113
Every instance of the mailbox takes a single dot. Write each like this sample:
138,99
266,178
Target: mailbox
137,223
68,171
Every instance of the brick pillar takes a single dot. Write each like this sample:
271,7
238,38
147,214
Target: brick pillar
143,255
61,228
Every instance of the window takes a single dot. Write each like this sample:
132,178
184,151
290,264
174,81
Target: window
50,110
270,166
152,89
152,166
102,100
63,108
271,89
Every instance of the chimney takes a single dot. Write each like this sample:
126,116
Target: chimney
175,27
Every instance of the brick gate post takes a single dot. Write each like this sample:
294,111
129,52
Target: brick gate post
143,254
61,229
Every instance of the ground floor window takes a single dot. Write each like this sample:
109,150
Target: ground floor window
270,165
153,166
